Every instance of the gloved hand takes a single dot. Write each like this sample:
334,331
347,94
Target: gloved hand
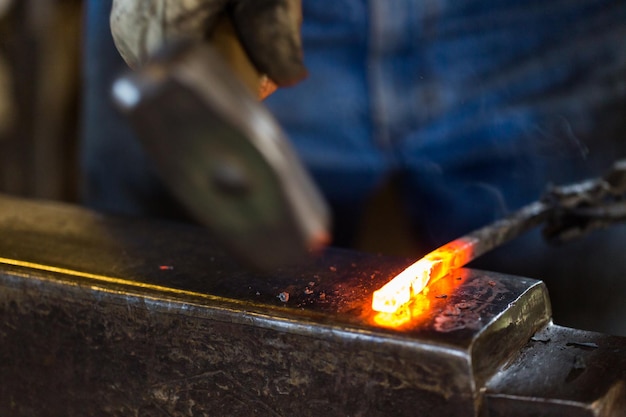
269,30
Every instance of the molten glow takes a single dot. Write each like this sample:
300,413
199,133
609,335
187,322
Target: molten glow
410,282
407,313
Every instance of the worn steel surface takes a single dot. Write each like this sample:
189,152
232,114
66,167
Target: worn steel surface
562,372
123,316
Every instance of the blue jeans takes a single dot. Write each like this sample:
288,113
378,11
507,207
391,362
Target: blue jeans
473,106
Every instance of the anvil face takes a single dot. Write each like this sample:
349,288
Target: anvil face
133,317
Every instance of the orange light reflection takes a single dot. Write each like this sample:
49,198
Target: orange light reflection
405,314
422,306
409,283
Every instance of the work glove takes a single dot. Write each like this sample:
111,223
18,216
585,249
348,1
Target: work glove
269,30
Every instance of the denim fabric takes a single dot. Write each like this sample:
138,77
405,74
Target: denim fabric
475,105
117,177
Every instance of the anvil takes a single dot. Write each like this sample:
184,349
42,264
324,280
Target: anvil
107,315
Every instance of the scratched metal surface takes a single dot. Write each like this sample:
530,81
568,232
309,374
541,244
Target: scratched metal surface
133,317
337,285
562,372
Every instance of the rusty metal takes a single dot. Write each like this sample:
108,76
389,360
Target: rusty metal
118,316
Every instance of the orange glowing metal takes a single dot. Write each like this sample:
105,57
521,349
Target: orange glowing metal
410,282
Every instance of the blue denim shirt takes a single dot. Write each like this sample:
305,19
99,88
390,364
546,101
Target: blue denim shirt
475,105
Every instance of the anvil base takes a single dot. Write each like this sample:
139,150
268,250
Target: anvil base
119,316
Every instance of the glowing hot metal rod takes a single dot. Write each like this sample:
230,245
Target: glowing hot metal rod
571,211
453,255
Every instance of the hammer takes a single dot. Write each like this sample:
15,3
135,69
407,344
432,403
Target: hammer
195,108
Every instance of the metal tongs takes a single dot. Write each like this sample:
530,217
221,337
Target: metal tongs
567,212
578,209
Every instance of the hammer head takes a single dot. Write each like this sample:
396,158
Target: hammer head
223,155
